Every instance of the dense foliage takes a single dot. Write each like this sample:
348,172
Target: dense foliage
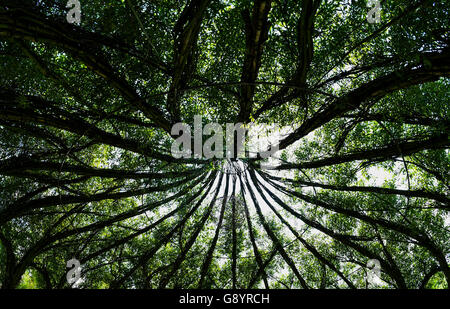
86,169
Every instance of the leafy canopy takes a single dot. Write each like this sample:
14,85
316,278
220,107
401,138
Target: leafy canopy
86,171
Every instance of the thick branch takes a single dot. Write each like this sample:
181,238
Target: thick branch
256,34
438,66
